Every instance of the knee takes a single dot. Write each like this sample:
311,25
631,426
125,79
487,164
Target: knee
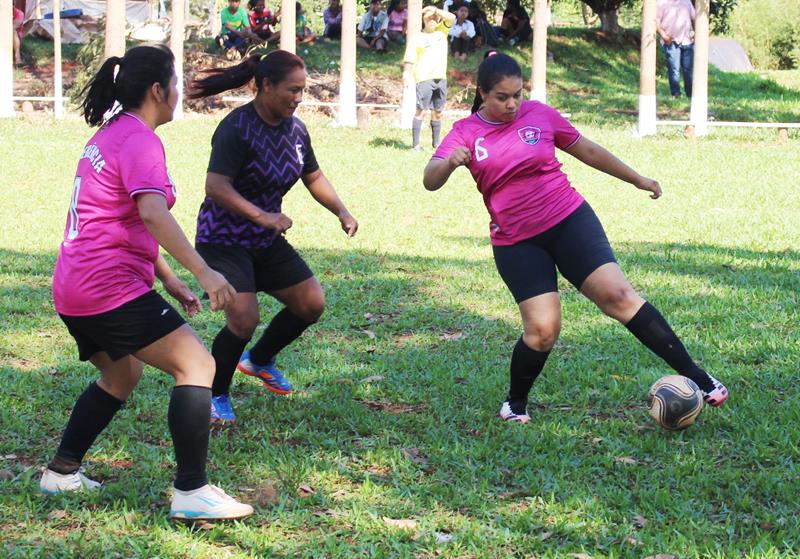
199,371
312,308
542,337
619,301
244,324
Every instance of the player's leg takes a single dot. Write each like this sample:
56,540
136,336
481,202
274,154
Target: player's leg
182,355
241,320
529,272
284,275
93,411
587,261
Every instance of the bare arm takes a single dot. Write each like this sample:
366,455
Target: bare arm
437,171
220,189
603,160
323,192
167,233
176,288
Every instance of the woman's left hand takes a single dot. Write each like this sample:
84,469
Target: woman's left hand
349,224
185,296
649,185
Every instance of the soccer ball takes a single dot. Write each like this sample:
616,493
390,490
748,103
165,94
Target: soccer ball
674,402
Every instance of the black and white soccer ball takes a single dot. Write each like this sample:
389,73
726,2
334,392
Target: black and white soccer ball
674,402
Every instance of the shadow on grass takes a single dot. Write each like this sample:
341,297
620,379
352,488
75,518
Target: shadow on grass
394,417
388,143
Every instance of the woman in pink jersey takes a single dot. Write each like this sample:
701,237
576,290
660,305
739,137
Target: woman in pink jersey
103,282
539,223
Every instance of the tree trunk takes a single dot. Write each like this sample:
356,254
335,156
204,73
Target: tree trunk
609,21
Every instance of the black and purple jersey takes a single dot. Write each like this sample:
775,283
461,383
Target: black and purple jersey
263,162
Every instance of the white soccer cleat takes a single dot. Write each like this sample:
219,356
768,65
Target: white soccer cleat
53,482
507,415
716,397
207,503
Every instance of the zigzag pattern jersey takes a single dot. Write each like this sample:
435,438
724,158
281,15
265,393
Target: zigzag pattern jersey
263,162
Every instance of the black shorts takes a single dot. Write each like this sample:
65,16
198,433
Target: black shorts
577,246
250,270
126,329
431,94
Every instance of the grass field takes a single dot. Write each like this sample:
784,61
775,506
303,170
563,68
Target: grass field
390,447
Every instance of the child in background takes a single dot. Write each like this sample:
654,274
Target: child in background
398,18
262,20
302,32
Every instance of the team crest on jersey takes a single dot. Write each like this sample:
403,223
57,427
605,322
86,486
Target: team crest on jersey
530,134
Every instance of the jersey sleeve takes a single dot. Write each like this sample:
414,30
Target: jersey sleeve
453,139
564,133
228,150
143,170
310,163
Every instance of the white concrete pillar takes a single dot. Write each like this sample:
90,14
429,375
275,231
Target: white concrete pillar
176,45
347,66
115,28
539,58
288,18
699,114
647,71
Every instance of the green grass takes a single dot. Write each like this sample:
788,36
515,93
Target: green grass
717,254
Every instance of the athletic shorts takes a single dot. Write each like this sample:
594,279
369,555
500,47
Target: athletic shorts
431,94
126,329
250,270
577,246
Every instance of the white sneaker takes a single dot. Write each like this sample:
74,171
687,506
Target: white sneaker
717,396
507,415
207,503
53,482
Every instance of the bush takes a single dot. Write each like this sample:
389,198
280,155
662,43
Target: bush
768,31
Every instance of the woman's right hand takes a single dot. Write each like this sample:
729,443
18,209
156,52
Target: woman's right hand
459,156
278,222
220,292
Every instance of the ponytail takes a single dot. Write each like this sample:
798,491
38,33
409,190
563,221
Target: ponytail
137,71
494,68
217,80
99,92
273,67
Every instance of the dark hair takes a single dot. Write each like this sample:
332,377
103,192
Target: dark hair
494,68
251,4
273,67
139,69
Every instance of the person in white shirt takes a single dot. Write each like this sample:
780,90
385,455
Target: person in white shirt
461,34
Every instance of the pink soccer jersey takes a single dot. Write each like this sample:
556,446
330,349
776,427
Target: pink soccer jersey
515,168
107,255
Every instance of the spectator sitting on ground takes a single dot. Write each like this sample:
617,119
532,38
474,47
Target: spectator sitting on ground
19,19
332,16
235,32
303,33
516,24
398,19
461,34
484,33
372,28
262,20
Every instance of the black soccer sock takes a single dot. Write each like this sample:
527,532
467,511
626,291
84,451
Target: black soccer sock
93,411
416,127
226,350
652,330
436,131
526,364
285,328
189,420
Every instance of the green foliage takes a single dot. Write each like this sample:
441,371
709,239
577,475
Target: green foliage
721,11
769,31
